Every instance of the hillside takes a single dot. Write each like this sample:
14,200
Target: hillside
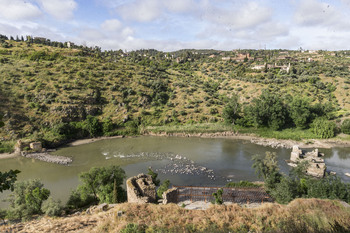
301,215
46,88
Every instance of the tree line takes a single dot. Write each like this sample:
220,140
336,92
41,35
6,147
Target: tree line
278,112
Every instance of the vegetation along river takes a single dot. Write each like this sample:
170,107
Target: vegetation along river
184,161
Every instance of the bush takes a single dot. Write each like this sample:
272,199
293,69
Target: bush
345,126
133,228
52,207
27,198
99,185
162,188
78,199
241,184
218,197
154,176
298,185
323,128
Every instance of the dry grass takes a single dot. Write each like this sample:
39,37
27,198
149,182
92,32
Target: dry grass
301,215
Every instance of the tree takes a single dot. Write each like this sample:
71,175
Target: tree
1,122
98,185
267,168
268,110
232,110
154,176
300,112
285,191
93,126
323,128
162,188
345,126
7,180
218,196
27,198
107,125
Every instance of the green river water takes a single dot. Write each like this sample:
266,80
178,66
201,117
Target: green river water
213,162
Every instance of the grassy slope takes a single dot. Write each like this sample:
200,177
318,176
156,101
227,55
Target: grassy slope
301,215
36,95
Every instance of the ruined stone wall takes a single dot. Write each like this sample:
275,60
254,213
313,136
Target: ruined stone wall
170,196
141,189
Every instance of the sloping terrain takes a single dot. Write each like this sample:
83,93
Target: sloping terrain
301,215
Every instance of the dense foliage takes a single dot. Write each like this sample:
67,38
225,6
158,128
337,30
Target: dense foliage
297,185
7,180
27,199
99,185
162,188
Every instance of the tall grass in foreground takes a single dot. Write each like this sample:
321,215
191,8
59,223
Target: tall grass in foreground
301,215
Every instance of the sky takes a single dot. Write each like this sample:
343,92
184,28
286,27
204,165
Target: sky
170,25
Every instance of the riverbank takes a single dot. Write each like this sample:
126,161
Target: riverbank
90,140
268,142
8,155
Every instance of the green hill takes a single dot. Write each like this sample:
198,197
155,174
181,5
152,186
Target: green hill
48,90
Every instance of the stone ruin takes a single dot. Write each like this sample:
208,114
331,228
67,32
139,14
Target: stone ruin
316,164
141,189
170,196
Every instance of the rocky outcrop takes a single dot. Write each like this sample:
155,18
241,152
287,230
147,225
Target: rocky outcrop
141,189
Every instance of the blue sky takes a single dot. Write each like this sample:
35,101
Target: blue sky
170,25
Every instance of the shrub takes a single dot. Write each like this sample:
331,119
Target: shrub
52,207
7,180
323,128
345,127
27,198
218,196
162,188
241,184
99,185
154,176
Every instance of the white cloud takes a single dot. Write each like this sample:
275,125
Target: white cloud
311,13
248,15
140,10
271,31
18,10
60,9
347,2
180,6
111,25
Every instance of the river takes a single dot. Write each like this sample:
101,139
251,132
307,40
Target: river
213,161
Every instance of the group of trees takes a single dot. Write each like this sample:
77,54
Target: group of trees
98,185
285,188
278,112
29,197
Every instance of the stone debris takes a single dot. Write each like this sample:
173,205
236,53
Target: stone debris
35,150
98,208
43,156
271,143
316,164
